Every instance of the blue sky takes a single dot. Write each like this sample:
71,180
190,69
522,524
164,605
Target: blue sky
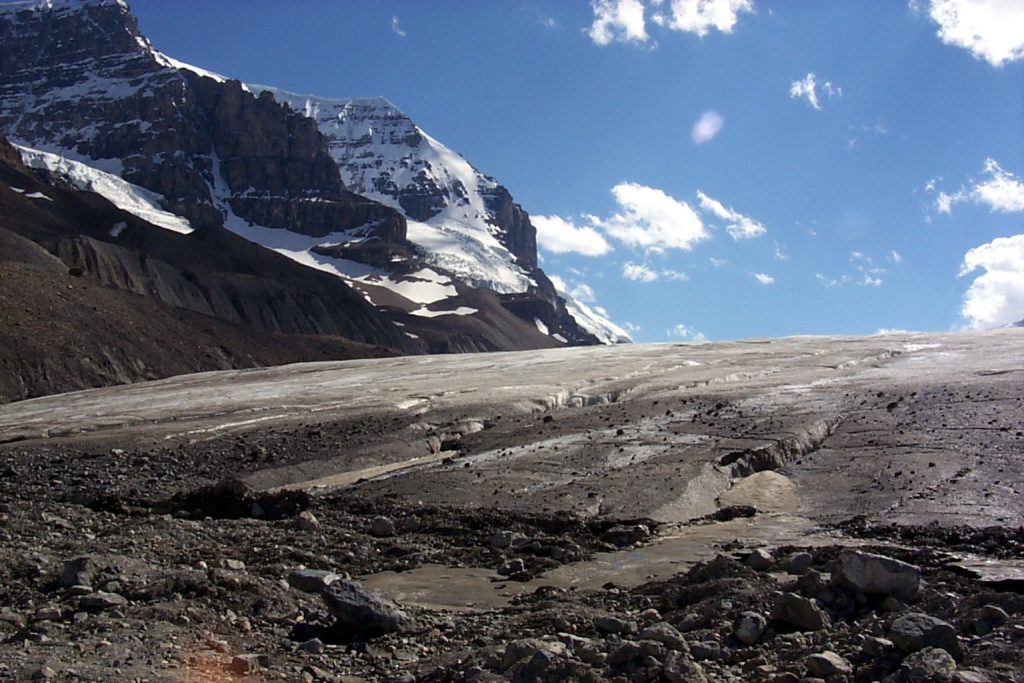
714,168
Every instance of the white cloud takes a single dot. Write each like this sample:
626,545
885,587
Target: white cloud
740,227
583,292
764,279
992,30
561,236
996,297
396,29
1001,191
632,328
706,127
807,88
618,21
580,291
652,219
638,272
895,257
700,16
717,262
780,255
685,332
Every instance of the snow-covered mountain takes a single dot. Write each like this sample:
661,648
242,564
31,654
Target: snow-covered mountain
350,187
452,209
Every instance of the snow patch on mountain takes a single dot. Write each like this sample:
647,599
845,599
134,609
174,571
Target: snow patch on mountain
424,286
171,62
124,195
425,312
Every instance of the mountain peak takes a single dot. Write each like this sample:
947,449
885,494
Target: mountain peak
57,5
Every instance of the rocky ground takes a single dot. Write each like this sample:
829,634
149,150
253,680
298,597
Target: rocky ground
143,553
161,590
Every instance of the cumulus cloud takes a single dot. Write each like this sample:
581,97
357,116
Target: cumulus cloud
738,226
764,278
1001,191
996,297
638,272
618,21
701,16
807,88
561,236
624,21
706,127
651,219
682,331
992,30
396,29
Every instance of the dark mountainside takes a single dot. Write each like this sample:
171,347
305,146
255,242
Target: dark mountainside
78,311
80,77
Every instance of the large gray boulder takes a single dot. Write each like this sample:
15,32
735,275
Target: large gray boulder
915,631
800,612
876,575
363,612
931,664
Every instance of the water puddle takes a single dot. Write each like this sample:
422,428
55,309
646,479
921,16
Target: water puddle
463,589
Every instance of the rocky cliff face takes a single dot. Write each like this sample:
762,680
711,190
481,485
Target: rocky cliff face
78,77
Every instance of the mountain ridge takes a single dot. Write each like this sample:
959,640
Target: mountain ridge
214,149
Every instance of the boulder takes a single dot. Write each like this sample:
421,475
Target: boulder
382,527
827,663
800,612
307,521
361,611
626,535
796,563
613,624
749,627
876,575
666,634
813,584
527,648
678,668
512,567
990,617
102,600
77,572
931,664
311,580
507,539
760,560
915,631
